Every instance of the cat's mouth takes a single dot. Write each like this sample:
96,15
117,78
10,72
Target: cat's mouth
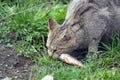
52,54
67,58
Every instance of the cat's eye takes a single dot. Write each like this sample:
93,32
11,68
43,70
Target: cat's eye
54,50
66,38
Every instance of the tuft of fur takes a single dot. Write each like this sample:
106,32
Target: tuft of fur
76,7
86,22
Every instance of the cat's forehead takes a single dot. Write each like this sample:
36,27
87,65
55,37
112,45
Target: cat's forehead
57,34
59,30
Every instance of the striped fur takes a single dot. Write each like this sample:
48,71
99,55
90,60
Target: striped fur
86,22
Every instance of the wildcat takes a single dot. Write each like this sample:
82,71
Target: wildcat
86,23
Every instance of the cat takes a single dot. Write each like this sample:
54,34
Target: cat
86,23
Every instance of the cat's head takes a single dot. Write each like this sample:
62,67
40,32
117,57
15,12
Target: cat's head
63,38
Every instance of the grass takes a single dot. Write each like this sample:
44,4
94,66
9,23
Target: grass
94,70
105,67
25,25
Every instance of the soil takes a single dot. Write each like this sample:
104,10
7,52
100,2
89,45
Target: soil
12,66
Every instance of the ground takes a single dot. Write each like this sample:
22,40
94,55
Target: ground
13,66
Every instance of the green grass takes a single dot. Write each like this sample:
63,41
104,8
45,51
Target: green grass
105,67
94,70
28,22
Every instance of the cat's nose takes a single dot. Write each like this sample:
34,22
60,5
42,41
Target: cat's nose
50,53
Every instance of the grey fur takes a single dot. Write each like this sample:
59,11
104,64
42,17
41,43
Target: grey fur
86,25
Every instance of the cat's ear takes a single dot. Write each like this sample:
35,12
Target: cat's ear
52,24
